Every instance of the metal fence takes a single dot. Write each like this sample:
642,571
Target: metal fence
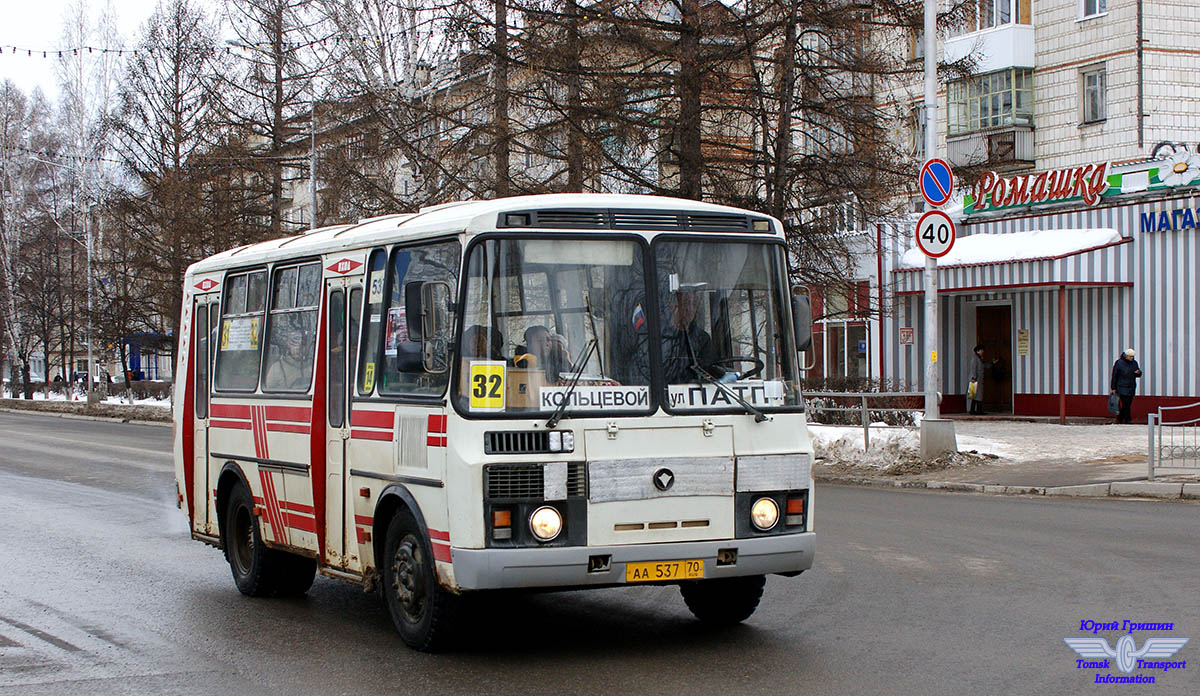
1173,444
864,413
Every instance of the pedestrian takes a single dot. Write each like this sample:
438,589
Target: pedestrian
975,382
1125,373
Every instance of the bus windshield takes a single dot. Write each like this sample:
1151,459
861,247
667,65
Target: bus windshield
555,322
725,337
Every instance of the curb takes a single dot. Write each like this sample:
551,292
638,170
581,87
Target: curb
80,416
1118,489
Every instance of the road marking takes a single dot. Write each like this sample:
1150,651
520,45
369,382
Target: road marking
38,633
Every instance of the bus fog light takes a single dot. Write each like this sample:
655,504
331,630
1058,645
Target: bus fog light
545,523
764,513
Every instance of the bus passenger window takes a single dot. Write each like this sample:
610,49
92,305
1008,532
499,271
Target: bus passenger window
292,328
238,340
337,358
403,370
200,358
374,327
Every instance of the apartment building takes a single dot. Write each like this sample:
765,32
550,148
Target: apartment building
1078,132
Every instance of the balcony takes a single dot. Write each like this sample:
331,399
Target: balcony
1009,147
999,48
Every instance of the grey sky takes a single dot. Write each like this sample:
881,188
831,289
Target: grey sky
37,24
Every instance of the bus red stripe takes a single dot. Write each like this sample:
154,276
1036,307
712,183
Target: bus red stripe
230,411
436,534
296,507
435,440
441,552
363,519
437,423
304,524
288,428
230,425
372,419
293,414
371,435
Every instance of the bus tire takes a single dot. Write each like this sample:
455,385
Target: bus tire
422,611
724,601
257,570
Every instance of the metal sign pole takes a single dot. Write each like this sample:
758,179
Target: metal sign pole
937,436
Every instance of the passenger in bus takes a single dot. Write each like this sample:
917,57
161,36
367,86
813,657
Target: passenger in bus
482,343
548,349
292,370
685,343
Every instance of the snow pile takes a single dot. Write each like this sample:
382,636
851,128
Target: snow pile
122,401
843,444
890,445
1000,248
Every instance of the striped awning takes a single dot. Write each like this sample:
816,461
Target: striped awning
1106,265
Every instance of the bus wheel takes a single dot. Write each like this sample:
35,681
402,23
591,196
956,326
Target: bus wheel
421,610
257,570
723,602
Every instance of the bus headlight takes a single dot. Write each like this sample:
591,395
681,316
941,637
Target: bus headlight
764,513
545,523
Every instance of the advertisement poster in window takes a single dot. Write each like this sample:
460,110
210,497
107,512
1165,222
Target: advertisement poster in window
397,330
239,334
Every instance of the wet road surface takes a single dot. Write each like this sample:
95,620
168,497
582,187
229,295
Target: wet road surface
102,592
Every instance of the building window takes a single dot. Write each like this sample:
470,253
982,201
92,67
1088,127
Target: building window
1091,8
1093,94
994,100
987,14
916,130
356,146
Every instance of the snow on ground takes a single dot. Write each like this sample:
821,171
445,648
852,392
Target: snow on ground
1012,441
998,248
111,400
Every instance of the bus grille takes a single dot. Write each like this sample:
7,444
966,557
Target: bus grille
516,442
525,481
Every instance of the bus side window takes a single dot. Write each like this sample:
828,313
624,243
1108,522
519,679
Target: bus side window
200,358
239,343
292,328
337,358
367,376
403,370
356,298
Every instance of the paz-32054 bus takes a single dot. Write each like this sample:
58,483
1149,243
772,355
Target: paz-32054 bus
558,391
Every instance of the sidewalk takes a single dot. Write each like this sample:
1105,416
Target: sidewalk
1022,456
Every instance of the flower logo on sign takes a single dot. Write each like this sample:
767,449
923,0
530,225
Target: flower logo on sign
1180,169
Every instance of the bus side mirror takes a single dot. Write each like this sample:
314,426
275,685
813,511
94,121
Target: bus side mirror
435,326
802,316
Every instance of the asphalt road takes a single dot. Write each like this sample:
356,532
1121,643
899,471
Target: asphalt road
102,592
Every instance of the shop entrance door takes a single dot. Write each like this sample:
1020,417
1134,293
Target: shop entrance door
993,327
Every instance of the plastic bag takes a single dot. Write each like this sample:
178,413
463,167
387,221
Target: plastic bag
1114,404
972,388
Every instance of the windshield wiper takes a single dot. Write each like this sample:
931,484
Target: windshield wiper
704,376
562,405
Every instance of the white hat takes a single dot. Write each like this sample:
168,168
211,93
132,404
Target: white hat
1130,352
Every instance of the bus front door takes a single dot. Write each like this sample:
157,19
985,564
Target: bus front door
205,320
344,300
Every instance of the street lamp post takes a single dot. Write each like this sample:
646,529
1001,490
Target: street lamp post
92,397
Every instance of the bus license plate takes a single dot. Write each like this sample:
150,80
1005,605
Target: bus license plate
655,571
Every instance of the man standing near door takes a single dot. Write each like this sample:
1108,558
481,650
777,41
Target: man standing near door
1123,383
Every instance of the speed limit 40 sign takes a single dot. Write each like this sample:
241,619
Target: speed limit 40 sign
935,233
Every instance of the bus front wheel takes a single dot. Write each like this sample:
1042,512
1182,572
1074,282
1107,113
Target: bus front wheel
421,610
257,570
724,601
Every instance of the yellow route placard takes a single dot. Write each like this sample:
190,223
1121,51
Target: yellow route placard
487,385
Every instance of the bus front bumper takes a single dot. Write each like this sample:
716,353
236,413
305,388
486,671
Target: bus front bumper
487,569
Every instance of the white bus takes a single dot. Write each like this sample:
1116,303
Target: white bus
559,392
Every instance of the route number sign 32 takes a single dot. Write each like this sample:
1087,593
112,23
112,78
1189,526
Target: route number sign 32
935,234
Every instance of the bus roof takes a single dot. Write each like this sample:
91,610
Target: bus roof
474,217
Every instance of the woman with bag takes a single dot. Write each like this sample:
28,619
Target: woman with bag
1123,384
975,382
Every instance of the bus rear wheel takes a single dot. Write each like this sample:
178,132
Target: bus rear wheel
259,571
724,601
422,611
